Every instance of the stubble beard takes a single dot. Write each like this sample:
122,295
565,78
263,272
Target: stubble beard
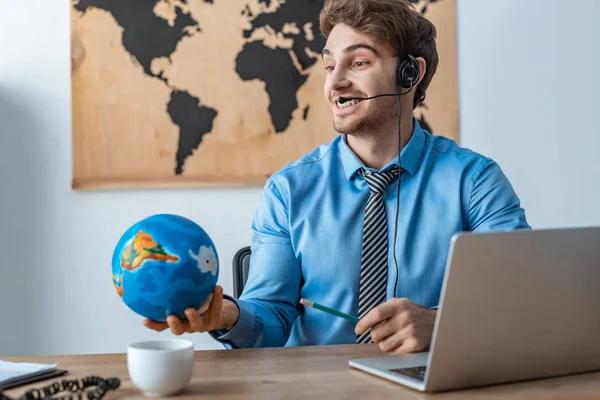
370,121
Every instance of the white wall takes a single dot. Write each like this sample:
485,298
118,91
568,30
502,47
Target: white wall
529,94
56,294
56,244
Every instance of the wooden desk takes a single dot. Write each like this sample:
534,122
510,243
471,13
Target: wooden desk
304,373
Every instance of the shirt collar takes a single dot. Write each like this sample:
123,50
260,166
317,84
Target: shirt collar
410,155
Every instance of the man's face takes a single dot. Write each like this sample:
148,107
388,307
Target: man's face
357,66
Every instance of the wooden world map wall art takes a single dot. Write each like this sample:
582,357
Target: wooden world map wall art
174,93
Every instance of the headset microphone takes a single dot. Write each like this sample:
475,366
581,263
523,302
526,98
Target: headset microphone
342,100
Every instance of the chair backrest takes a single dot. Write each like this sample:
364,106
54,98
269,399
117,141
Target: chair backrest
241,265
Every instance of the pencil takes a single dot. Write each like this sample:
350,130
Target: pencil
329,310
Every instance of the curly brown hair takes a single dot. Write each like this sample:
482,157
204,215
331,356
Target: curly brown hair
394,22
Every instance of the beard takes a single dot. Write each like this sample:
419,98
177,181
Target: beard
370,120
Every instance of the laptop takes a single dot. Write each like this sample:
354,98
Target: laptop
515,305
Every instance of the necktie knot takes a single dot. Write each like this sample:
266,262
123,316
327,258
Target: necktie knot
378,181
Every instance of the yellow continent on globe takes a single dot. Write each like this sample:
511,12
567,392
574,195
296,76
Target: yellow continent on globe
143,248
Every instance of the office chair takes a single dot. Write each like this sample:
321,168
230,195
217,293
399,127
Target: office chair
241,264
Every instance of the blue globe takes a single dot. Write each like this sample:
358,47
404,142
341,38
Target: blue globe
163,265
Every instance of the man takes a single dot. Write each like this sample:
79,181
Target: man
326,226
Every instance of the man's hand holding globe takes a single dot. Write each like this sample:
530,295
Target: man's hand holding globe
220,315
165,268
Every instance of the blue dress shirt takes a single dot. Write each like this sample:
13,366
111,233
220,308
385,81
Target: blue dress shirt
307,236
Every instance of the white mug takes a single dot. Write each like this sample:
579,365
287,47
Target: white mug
160,367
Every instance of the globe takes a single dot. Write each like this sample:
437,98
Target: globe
164,264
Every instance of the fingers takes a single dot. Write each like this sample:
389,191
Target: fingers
380,313
392,342
177,326
409,345
206,320
382,331
155,325
194,320
371,319
218,291
204,307
214,311
406,340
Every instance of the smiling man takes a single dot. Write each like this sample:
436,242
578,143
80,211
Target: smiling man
327,228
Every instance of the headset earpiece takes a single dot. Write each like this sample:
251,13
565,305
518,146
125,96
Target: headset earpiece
408,73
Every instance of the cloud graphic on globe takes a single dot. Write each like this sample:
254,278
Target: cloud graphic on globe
207,259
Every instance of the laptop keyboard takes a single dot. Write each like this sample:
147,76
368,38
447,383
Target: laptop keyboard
417,373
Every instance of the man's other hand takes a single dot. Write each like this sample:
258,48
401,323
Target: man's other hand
399,326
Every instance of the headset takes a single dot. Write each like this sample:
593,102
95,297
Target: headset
407,76
408,72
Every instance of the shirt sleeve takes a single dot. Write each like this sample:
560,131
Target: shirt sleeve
493,203
268,304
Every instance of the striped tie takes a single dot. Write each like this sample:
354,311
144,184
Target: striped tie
373,270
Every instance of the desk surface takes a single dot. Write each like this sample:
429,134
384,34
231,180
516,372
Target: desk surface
303,373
